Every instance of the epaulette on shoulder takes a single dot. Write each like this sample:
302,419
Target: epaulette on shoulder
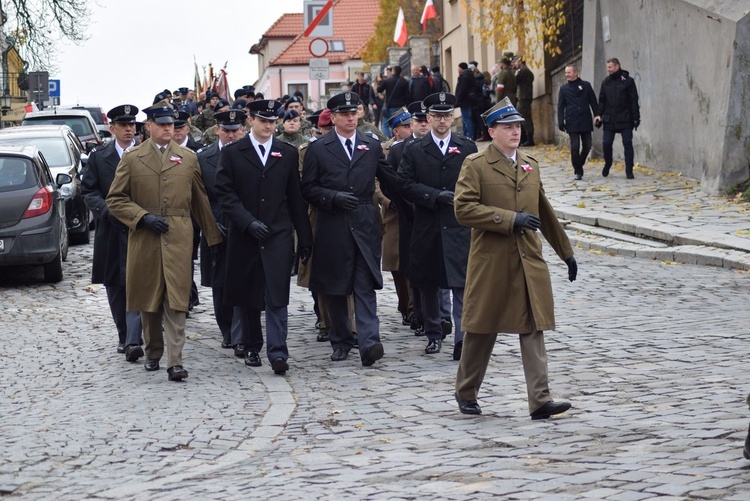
529,156
394,143
372,135
475,155
465,138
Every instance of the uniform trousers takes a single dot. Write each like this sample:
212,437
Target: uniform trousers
524,108
365,311
403,291
445,304
128,322
431,299
276,329
174,332
476,356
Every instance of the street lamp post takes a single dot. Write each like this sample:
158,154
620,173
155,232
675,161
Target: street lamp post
5,105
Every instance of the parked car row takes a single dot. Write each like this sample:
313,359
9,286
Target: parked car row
41,204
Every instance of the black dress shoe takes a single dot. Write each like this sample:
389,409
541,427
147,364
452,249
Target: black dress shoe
177,373
373,354
152,364
323,337
433,346
405,320
252,359
629,175
355,340
579,177
318,324
414,323
468,406
121,348
339,354
457,350
605,171
239,350
226,345
419,331
550,409
447,327
133,352
279,366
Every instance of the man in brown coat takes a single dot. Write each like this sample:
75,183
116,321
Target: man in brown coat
156,187
499,195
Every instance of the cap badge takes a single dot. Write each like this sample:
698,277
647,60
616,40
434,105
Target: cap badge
442,97
423,107
126,109
348,96
270,105
232,115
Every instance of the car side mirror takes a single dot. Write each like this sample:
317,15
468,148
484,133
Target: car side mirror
62,179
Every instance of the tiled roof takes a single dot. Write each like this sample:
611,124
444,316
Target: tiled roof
288,25
353,23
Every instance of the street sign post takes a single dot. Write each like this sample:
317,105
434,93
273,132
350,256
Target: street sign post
54,88
318,18
319,68
39,87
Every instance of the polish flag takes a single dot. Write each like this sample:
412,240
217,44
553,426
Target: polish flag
429,12
400,36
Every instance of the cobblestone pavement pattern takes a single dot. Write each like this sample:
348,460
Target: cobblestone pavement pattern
651,353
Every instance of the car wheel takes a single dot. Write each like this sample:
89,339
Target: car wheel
53,272
85,236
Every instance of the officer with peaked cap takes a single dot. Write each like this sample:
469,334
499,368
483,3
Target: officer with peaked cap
111,236
258,186
499,195
339,179
427,174
230,127
182,132
157,186
400,125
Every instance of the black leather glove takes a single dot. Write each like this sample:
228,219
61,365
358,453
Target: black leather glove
109,217
445,197
214,254
597,123
155,223
258,230
222,230
636,123
526,220
346,200
304,254
562,128
572,268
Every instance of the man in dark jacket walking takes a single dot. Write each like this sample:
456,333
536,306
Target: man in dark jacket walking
396,90
575,103
259,189
619,112
466,98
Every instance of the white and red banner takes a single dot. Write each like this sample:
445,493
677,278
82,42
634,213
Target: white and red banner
429,12
400,36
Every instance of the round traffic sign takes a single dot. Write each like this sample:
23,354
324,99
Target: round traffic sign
318,47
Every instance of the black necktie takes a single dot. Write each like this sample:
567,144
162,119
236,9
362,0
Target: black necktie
162,149
262,150
441,146
348,144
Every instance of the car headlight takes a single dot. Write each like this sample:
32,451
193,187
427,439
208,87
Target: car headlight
66,190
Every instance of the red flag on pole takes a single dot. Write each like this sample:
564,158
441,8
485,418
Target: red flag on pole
400,36
429,12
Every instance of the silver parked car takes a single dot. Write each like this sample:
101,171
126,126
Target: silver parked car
64,154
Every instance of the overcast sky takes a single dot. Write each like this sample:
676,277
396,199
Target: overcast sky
138,48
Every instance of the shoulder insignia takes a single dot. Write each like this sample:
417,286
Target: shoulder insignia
372,135
530,157
475,155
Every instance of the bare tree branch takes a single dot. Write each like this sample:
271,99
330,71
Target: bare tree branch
39,25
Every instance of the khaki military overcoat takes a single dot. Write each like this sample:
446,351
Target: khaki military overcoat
168,185
507,281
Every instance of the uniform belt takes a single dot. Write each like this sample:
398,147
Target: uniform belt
164,211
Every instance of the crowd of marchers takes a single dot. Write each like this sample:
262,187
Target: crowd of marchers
259,190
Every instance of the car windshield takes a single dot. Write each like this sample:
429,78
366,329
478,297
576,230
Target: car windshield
80,125
16,174
54,149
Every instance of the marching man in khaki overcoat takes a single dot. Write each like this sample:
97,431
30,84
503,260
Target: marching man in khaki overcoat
499,195
157,186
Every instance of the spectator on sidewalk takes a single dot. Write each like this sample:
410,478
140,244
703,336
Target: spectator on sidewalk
620,113
525,94
466,96
499,195
419,85
396,91
575,103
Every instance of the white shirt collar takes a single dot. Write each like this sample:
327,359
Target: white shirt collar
266,146
343,139
121,151
184,143
446,141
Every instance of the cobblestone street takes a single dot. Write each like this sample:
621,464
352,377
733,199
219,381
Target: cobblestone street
651,354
